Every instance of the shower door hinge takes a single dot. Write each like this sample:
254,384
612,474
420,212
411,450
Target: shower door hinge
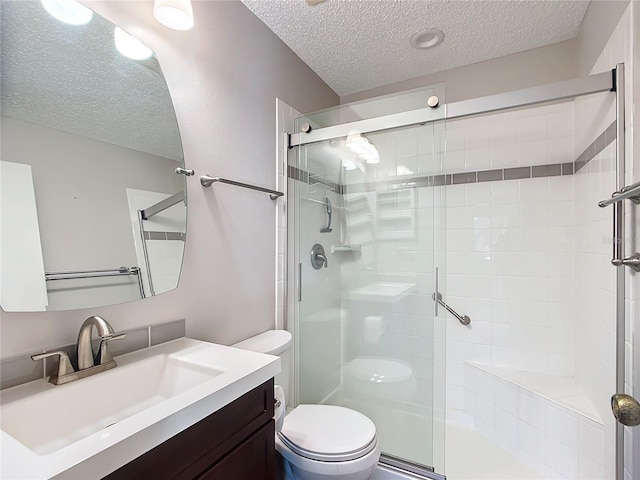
614,74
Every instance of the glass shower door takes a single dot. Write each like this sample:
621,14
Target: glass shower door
365,330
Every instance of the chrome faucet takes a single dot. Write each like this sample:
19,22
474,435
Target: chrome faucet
88,362
86,357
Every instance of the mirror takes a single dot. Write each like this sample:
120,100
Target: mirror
92,210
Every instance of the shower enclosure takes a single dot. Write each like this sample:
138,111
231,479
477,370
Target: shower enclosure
440,252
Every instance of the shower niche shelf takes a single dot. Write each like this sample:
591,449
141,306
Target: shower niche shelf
386,292
346,248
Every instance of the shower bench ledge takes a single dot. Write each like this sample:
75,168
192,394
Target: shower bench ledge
563,391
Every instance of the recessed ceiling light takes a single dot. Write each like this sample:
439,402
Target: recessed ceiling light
428,38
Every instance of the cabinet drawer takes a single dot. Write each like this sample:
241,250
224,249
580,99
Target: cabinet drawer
192,451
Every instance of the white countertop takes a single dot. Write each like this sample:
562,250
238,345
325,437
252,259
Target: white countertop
94,454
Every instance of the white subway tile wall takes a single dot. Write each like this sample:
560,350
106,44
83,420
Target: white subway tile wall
555,441
531,255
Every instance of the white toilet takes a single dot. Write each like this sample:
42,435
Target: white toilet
317,442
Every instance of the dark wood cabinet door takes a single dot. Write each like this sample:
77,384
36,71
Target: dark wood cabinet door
253,460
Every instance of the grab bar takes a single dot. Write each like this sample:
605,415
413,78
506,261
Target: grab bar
632,192
463,319
206,181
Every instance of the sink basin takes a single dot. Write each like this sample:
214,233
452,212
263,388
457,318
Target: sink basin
47,428
382,292
99,401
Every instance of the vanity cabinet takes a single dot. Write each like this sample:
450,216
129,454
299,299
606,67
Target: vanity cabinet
234,443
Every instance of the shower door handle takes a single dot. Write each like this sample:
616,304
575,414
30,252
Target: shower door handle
299,282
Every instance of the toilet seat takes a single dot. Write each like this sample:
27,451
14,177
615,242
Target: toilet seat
328,433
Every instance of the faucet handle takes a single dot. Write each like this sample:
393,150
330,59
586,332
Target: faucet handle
104,355
64,364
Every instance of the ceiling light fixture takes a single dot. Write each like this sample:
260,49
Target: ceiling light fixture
429,38
354,142
130,46
175,14
68,11
363,147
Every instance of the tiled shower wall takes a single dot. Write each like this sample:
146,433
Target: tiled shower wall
509,244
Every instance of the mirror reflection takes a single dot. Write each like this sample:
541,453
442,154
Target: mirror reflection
92,210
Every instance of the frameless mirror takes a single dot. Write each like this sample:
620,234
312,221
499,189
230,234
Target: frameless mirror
92,211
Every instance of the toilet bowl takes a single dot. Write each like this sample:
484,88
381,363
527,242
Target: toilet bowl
326,442
379,376
318,442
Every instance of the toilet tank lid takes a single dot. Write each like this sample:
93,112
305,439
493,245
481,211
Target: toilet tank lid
272,342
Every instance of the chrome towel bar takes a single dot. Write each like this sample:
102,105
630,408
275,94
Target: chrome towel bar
207,180
106,272
463,319
631,192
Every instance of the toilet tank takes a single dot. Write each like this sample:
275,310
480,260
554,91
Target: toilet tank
273,342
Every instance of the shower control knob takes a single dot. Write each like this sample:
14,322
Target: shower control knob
433,101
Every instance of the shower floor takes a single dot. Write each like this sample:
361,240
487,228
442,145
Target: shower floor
409,434
470,455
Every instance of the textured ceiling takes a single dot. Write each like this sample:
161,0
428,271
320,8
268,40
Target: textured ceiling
72,79
354,45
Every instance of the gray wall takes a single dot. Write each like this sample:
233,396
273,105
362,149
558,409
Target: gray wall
521,70
224,77
599,22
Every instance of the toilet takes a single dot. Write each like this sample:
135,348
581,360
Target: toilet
316,442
